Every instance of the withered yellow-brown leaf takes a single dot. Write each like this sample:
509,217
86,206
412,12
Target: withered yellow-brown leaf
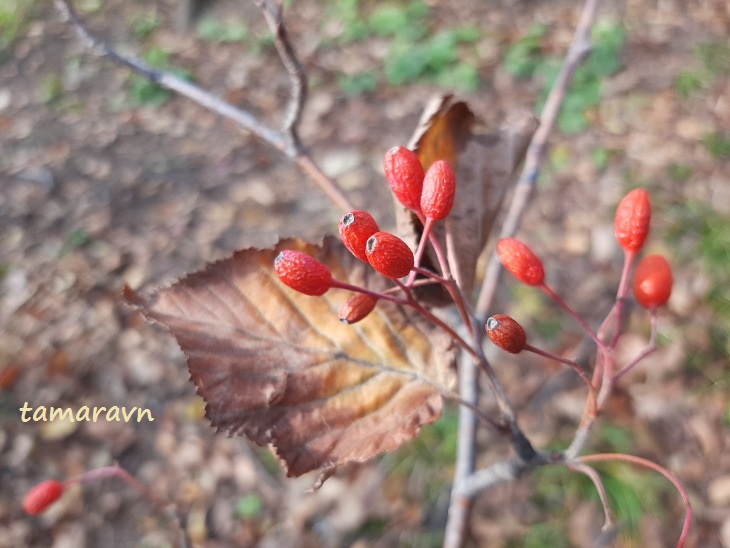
280,368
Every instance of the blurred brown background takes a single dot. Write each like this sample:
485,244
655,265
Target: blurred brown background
105,179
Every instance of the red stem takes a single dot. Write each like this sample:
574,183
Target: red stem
657,468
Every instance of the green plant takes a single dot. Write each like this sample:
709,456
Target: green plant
144,25
14,15
214,30
357,84
680,172
525,55
435,58
717,144
524,59
145,92
687,83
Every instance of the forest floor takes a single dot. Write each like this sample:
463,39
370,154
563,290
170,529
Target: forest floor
104,180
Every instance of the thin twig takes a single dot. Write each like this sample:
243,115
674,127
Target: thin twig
602,494
461,499
579,48
165,507
285,141
274,15
620,457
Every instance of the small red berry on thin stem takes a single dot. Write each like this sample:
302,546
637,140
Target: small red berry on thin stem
520,261
405,174
38,499
355,228
357,307
389,255
506,333
631,223
653,281
303,273
439,190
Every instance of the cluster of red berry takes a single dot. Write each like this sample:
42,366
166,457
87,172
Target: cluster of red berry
652,279
429,194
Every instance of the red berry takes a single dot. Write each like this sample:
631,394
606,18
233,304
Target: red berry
355,229
389,255
357,307
302,272
520,261
405,174
653,281
506,333
42,496
439,188
631,224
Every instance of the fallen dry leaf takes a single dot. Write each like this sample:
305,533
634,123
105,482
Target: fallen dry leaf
484,164
279,367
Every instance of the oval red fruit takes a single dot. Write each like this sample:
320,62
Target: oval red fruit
653,281
520,261
405,174
302,272
439,189
633,215
357,307
506,333
355,229
42,496
389,255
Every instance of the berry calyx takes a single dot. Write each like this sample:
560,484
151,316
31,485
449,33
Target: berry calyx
357,307
355,229
38,499
302,272
389,255
439,189
653,281
631,223
405,174
520,261
506,333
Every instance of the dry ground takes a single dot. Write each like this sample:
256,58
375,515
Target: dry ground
96,191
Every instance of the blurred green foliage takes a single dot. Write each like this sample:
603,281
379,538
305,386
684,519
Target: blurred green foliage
142,90
715,63
415,51
14,15
717,144
525,59
215,30
248,507
633,492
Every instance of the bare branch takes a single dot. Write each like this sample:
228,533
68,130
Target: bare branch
273,14
465,454
579,48
285,142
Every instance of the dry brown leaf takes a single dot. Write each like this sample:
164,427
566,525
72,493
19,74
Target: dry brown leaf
484,164
278,366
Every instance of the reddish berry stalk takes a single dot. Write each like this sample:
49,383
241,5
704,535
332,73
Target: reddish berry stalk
303,273
405,174
38,499
357,307
355,229
631,223
439,189
389,255
506,333
520,261
653,281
